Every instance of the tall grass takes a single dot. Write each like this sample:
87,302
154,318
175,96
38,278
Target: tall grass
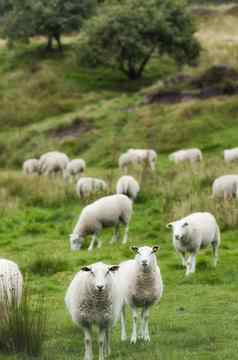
35,190
23,327
47,266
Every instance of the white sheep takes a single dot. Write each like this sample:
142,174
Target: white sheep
74,169
53,162
128,186
11,282
190,155
231,155
192,233
108,211
89,185
141,285
31,167
225,187
126,160
144,157
94,298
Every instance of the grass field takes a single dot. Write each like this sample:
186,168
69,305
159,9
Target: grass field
51,102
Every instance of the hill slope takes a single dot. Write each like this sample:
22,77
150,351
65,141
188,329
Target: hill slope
51,103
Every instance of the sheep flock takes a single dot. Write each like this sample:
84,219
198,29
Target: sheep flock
99,293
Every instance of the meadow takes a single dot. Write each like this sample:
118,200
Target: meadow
50,102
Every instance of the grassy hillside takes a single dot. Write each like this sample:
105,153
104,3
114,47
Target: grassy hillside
51,102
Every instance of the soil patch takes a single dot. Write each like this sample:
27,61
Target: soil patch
76,129
219,80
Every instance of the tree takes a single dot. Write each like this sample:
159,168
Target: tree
128,33
5,5
50,18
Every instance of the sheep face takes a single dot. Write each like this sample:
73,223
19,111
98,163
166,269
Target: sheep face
100,276
179,229
145,256
75,242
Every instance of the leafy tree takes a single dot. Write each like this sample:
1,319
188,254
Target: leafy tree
5,6
50,18
128,33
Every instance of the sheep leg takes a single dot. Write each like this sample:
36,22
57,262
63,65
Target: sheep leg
102,342
191,264
123,324
115,237
99,243
142,325
182,255
134,325
88,343
94,237
125,239
107,349
215,253
146,324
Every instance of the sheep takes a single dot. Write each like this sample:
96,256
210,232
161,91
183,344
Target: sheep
53,162
137,157
225,187
231,155
108,211
141,285
128,186
125,160
88,185
94,298
191,155
11,282
74,168
192,233
31,167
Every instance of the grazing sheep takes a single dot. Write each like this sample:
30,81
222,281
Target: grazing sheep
141,285
192,233
31,167
191,155
128,186
75,168
88,185
125,160
10,284
231,155
137,157
53,162
225,187
94,298
108,211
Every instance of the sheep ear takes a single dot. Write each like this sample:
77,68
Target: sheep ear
155,249
114,268
185,224
169,225
134,249
86,268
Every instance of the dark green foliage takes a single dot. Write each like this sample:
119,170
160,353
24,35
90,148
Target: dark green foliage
23,328
5,6
47,266
49,18
127,39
